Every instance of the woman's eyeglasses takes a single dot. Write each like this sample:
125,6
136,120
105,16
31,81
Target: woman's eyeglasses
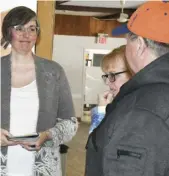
31,30
111,76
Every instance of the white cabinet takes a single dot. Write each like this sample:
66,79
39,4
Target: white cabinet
94,85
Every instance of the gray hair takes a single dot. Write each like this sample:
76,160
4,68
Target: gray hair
158,48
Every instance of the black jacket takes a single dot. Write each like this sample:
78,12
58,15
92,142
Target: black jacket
133,138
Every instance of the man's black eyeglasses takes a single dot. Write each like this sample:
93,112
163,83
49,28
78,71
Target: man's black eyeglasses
111,76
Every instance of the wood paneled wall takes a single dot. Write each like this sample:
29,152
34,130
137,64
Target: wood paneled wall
83,25
72,25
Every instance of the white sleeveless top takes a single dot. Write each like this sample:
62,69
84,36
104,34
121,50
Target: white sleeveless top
24,106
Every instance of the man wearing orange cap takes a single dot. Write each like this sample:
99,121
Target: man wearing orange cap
133,138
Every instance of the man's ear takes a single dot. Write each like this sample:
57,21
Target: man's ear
141,46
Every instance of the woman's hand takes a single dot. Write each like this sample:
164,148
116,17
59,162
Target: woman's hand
4,138
105,98
35,146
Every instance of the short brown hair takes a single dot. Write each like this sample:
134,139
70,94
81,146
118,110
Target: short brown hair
17,16
116,56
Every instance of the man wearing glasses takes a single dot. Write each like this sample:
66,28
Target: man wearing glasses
133,138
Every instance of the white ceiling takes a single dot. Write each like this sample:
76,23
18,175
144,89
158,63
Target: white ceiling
105,4
67,12
95,3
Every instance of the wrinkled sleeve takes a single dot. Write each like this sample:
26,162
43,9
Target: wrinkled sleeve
97,115
64,130
67,124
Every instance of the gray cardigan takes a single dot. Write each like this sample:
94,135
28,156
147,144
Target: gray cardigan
56,112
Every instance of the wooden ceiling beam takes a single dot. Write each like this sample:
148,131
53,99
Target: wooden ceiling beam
92,9
60,2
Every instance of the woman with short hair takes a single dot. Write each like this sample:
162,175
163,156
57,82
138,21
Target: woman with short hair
117,73
35,97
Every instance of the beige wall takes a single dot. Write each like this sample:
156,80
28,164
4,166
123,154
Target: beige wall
7,51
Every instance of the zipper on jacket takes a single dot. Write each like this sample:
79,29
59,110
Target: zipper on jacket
128,153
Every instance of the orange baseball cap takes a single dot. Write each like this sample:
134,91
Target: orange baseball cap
150,20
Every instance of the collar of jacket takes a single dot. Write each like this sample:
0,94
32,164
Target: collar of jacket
157,72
